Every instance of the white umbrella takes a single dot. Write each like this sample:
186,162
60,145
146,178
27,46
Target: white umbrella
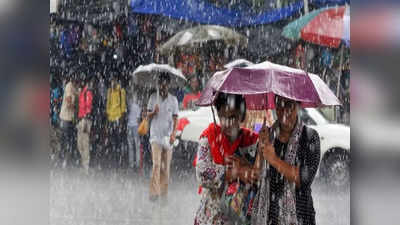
202,34
322,88
147,76
238,63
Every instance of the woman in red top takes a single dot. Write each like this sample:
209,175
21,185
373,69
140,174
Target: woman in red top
226,153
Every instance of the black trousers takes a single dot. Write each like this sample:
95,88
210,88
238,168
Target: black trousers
116,153
68,151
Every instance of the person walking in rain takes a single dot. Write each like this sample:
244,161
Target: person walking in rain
227,153
133,135
163,113
116,108
293,158
67,117
85,124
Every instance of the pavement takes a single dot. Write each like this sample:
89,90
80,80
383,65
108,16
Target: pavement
115,197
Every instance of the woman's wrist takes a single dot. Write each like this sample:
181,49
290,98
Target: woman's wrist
274,160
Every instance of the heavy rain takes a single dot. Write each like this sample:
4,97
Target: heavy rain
135,84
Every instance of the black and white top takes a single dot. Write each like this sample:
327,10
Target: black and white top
307,158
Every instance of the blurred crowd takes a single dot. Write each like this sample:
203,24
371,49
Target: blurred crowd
101,118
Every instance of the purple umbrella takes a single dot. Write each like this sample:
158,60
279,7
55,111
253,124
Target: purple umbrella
260,82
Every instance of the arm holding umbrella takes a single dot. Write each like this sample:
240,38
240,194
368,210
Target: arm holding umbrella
291,173
153,113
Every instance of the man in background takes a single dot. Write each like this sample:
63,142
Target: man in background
85,124
67,117
133,137
116,109
163,113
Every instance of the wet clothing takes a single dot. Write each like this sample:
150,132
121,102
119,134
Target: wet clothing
68,113
280,201
162,123
84,126
210,170
114,153
84,142
160,174
191,97
55,104
307,159
116,103
160,131
68,141
134,114
133,136
85,102
133,146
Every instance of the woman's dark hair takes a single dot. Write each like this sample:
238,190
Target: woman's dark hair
239,103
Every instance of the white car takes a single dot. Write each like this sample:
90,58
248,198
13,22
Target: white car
334,140
335,147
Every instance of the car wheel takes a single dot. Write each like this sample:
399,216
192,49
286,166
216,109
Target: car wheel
336,169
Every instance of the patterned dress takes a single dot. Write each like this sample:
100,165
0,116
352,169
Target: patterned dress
211,177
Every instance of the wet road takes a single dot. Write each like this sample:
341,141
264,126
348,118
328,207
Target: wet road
121,199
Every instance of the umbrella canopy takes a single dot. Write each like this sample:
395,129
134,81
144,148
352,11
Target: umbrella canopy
147,75
327,27
202,34
258,81
238,63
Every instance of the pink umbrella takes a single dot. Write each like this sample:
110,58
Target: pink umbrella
260,82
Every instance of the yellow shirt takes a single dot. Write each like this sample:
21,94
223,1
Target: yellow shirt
116,103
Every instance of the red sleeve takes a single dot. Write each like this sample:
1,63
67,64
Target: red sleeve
186,100
89,101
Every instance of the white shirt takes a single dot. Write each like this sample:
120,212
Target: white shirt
66,113
134,114
162,123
